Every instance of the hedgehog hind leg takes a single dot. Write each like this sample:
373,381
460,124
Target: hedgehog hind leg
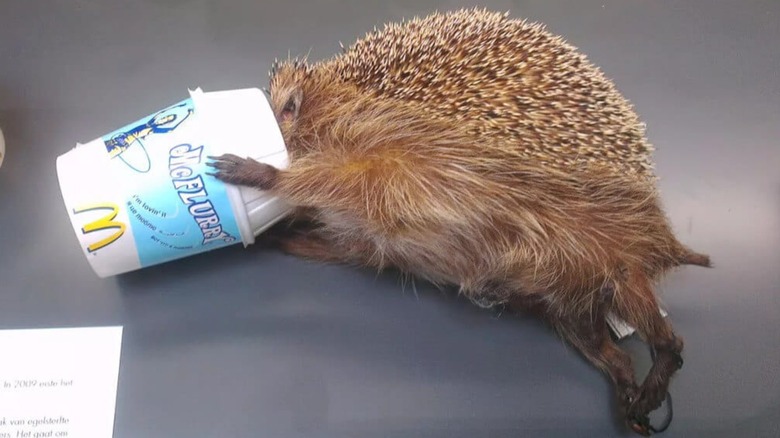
639,307
589,334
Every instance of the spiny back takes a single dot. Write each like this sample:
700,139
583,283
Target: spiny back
508,78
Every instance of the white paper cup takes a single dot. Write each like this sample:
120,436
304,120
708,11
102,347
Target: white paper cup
141,196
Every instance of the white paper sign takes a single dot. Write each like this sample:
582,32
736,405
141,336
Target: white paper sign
59,382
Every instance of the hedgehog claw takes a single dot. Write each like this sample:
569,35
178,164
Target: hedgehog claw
641,425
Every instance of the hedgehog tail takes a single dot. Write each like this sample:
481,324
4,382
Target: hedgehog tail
696,259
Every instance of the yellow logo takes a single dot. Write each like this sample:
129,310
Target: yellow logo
104,223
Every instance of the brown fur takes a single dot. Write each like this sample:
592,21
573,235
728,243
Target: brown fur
471,149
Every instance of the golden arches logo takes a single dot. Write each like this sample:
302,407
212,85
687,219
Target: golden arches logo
106,222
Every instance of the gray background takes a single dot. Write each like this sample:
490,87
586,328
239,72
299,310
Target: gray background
251,343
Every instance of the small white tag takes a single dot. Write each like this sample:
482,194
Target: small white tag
622,329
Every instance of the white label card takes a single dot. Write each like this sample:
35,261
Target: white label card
59,382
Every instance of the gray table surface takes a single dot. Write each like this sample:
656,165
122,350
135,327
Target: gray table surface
252,343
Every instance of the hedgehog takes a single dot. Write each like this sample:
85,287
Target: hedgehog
482,152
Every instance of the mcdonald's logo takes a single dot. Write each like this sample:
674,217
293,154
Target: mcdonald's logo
106,222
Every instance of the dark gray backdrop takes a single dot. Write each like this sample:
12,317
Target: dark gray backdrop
252,343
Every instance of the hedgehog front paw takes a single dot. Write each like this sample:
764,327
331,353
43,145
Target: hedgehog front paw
233,169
